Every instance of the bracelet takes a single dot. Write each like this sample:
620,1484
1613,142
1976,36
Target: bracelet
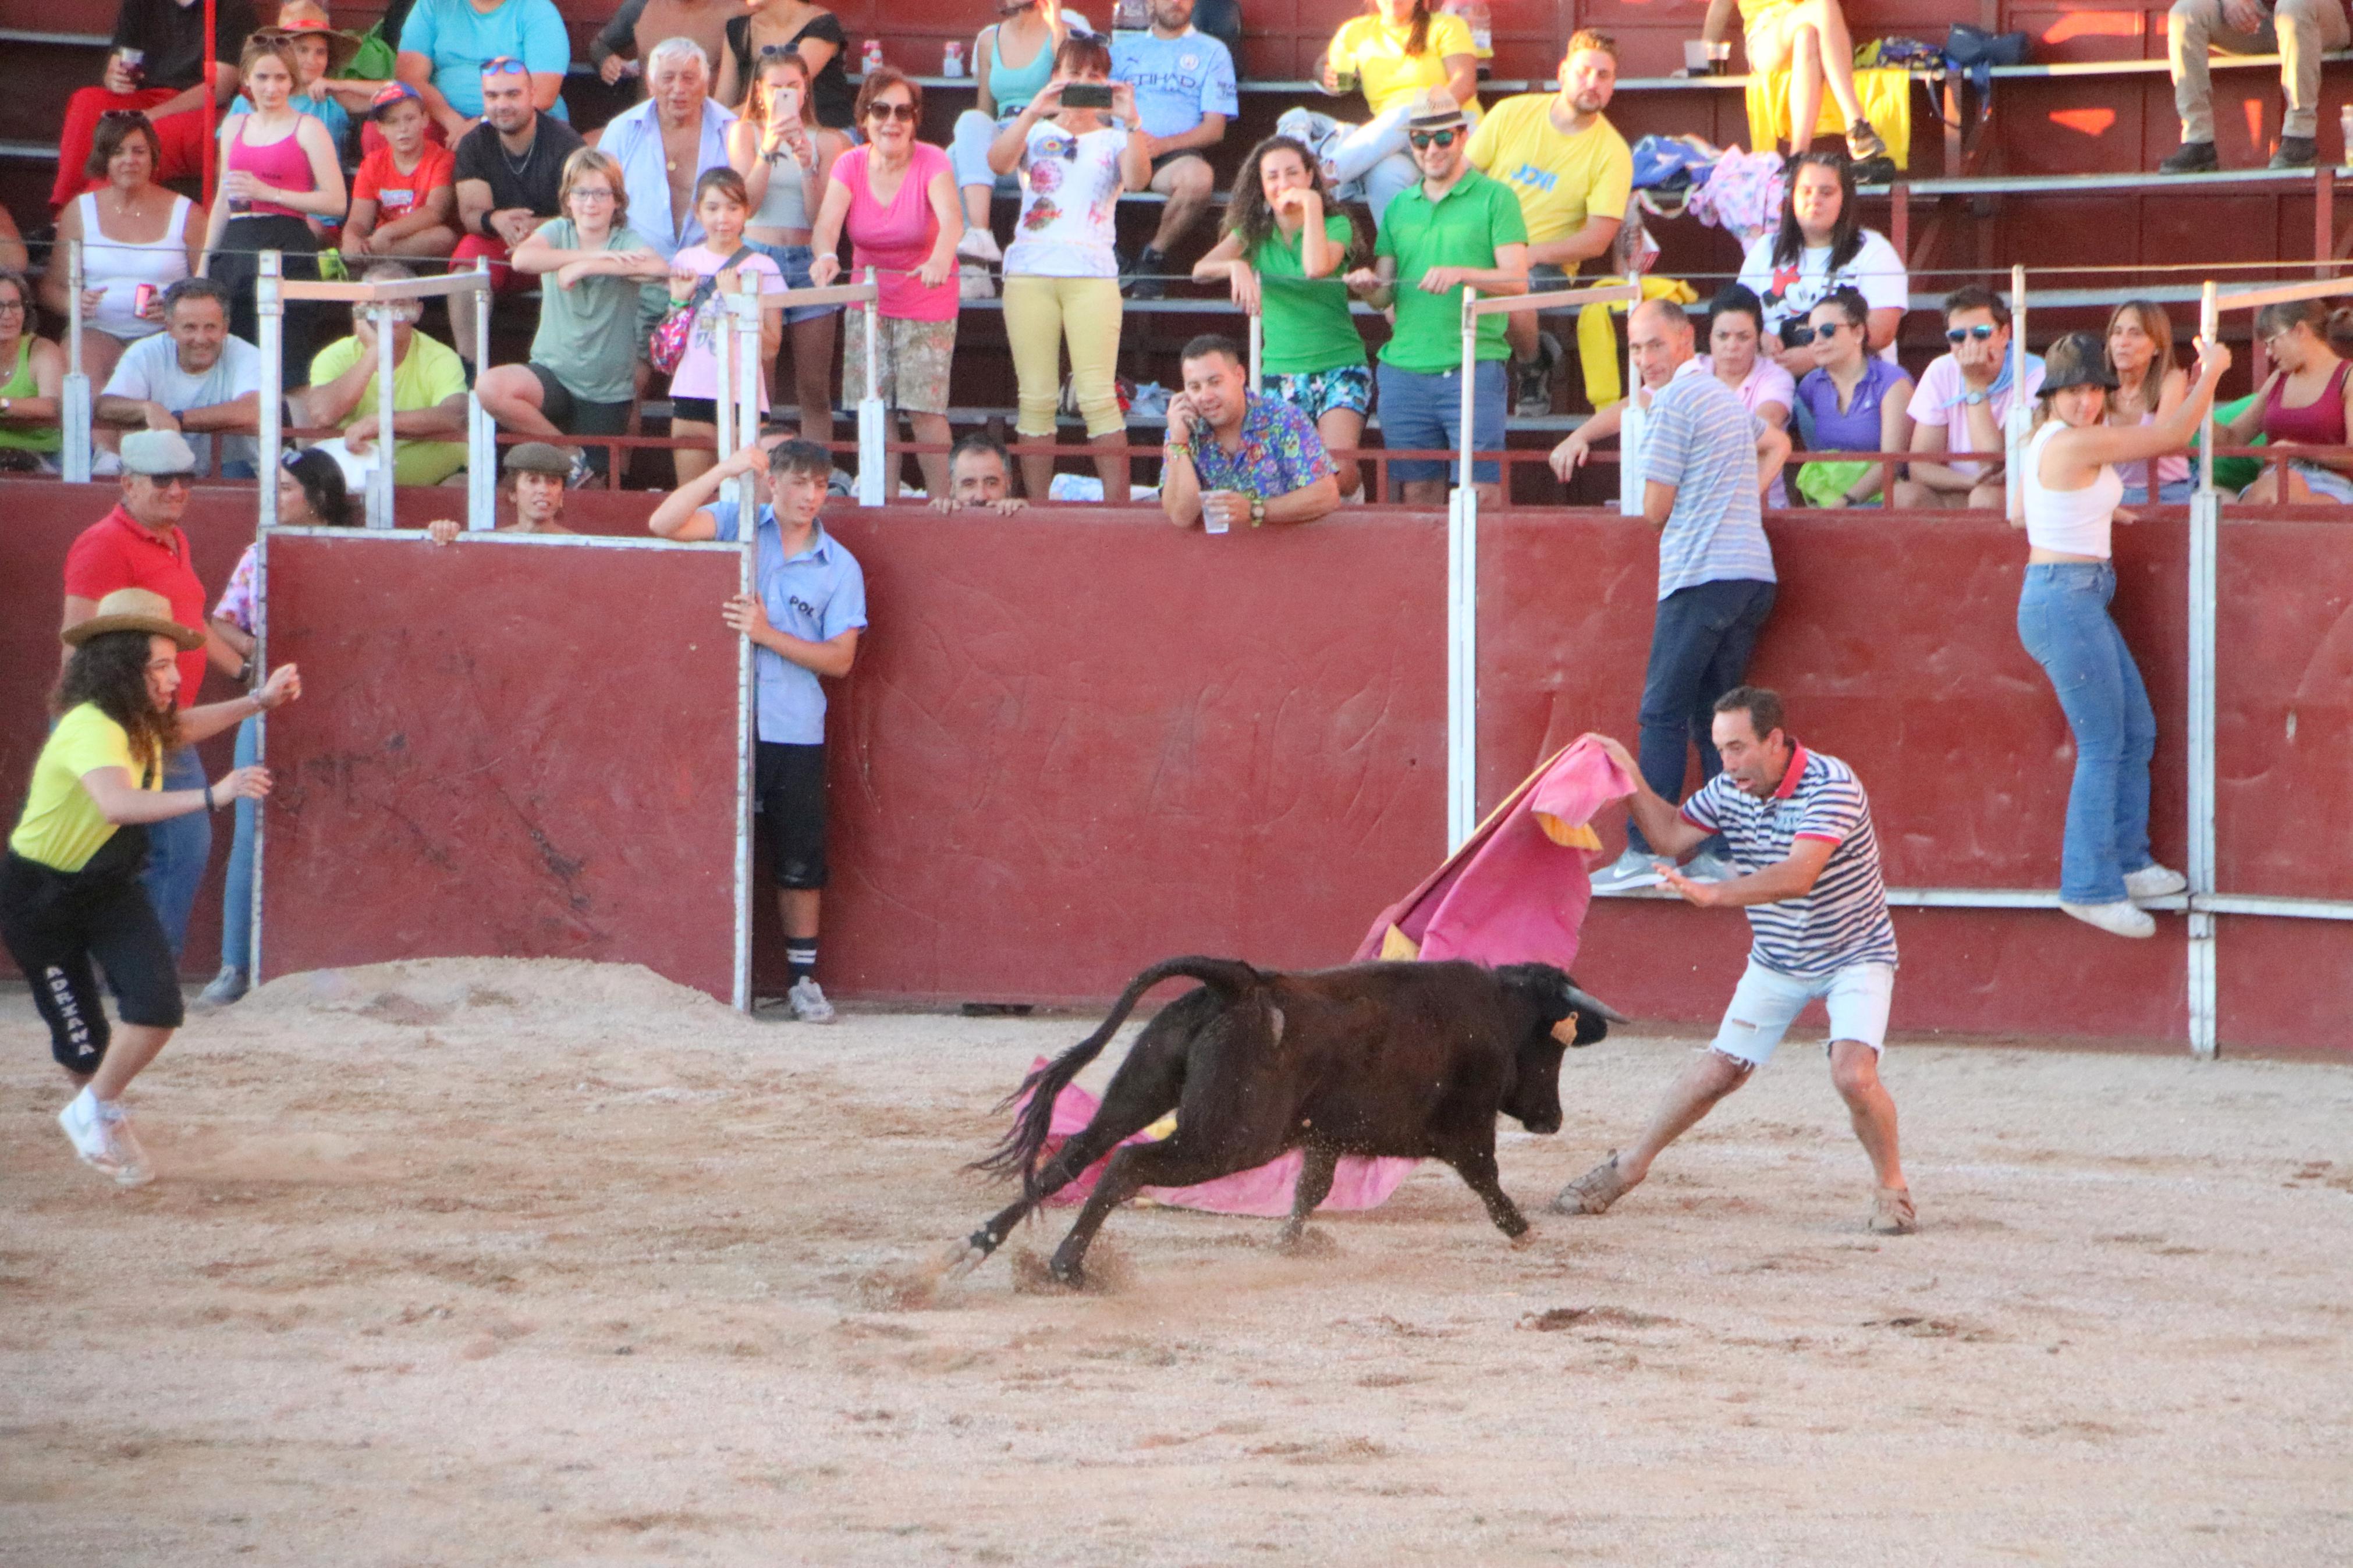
208,798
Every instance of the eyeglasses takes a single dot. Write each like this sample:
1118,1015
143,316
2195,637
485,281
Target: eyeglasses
504,65
778,52
591,193
1421,139
12,305
900,111
1958,335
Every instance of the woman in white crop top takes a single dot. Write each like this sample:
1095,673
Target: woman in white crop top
2071,489
133,231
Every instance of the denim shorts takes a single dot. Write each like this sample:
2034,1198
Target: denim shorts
1316,393
793,261
1766,1002
1424,412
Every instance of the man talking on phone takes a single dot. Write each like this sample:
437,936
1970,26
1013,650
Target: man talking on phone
1234,458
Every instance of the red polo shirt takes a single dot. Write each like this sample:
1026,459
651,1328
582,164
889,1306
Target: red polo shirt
120,552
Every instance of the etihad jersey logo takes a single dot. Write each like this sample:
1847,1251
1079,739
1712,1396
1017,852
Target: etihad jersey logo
1540,179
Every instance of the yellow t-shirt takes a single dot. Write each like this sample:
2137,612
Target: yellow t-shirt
1375,52
429,373
1560,180
62,827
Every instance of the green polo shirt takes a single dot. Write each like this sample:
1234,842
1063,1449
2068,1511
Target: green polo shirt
1463,230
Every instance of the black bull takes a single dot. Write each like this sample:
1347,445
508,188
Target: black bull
1402,1059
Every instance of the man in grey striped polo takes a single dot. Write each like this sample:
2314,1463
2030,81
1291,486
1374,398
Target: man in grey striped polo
1705,459
1808,874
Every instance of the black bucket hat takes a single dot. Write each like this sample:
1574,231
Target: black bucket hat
2079,359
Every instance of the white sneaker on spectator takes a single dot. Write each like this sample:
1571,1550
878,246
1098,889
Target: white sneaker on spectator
1709,867
2119,916
130,1167
973,282
979,244
1631,870
91,1133
807,999
2153,881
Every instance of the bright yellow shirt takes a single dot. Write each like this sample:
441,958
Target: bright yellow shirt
62,827
1375,52
1560,180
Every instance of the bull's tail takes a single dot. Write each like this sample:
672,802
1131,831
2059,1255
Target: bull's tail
1017,1152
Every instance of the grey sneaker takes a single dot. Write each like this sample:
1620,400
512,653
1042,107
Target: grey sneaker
1892,1213
1631,870
2153,881
808,1003
1533,398
2294,153
2119,917
1595,1191
92,1134
1709,867
228,986
131,1168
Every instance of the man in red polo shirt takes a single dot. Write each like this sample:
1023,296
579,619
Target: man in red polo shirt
139,545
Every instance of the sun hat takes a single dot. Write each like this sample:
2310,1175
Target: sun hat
1434,109
135,610
158,454
388,95
2079,359
538,457
310,16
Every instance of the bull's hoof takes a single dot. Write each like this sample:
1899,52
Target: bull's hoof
1070,1276
1305,1243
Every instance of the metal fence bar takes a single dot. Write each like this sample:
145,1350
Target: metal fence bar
75,411
269,318
482,430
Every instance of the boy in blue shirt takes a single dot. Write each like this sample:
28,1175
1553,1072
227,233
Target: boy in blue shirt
1185,94
804,621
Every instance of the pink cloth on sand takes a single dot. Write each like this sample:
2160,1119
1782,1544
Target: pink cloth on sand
1510,895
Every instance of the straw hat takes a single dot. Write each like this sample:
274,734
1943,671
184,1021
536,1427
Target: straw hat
1434,109
310,16
135,610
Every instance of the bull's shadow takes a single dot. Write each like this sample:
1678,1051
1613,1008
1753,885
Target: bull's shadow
1410,1060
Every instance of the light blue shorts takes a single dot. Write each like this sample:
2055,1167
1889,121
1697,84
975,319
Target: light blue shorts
1766,1002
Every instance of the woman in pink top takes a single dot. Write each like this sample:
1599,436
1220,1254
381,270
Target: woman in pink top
897,197
1735,338
2149,387
279,170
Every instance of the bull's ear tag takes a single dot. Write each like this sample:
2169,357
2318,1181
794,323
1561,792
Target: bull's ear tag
1566,1031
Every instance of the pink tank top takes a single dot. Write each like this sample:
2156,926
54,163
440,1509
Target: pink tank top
2319,423
282,165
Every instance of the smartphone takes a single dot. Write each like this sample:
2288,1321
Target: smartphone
787,105
1087,95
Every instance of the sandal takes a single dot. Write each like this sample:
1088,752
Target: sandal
1595,1191
1890,1211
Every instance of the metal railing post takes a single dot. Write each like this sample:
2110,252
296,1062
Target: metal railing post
873,416
1258,342
269,326
2205,516
743,321
2020,418
482,430
1462,608
73,411
380,481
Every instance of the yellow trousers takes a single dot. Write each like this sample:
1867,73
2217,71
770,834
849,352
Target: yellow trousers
1039,314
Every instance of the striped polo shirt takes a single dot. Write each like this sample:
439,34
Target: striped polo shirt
1843,920
1700,439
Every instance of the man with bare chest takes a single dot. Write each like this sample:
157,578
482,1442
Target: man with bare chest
665,143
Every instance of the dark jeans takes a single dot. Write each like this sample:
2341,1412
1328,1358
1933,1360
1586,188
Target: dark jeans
1699,650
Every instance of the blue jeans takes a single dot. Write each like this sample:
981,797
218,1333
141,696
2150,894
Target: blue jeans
1424,412
1699,650
2063,619
177,850
237,891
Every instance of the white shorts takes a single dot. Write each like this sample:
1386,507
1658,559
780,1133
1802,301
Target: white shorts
1767,1002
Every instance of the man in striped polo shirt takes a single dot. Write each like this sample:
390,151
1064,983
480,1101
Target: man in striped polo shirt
1799,828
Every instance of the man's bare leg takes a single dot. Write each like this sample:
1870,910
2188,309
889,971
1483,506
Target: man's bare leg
1709,1077
1855,1068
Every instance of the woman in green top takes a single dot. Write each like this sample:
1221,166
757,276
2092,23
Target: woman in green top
32,369
1283,252
69,890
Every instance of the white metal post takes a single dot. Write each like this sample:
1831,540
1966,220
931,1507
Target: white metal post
743,320
2205,516
2015,428
268,486
73,413
745,725
1258,340
873,418
482,430
1462,608
269,326
380,481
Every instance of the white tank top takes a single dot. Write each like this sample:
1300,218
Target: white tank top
117,267
2073,522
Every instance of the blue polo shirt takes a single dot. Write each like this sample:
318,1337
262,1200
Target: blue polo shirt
1179,81
815,595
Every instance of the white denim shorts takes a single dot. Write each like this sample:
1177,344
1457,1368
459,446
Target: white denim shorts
1766,1003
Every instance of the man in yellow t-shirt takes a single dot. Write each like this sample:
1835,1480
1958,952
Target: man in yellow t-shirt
428,392
1573,174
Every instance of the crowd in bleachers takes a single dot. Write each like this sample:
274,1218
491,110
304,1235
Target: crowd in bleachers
443,139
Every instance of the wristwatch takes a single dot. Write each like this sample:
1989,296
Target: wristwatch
1974,398
1258,510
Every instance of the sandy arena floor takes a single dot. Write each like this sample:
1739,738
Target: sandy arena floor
524,1264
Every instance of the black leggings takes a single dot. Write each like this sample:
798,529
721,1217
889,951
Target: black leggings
55,924
237,267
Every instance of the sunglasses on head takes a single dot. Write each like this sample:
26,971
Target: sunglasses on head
1421,139
1982,332
901,112
504,65
138,114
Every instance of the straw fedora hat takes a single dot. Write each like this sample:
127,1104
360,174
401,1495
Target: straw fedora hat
135,610
310,16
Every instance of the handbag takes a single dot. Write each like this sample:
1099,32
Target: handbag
1975,52
677,326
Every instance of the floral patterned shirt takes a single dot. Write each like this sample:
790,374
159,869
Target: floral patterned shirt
1280,453
1070,194
235,604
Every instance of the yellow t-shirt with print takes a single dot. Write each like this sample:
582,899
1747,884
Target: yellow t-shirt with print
1375,52
62,827
428,375
1560,180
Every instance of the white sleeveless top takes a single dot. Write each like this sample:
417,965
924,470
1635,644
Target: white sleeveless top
2073,522
117,267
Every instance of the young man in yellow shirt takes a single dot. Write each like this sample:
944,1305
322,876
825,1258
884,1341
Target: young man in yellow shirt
1573,174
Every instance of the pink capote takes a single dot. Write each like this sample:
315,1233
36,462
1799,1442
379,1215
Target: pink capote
1515,892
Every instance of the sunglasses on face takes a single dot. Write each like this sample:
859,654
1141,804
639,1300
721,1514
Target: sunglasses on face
504,65
1421,139
1958,335
903,112
171,481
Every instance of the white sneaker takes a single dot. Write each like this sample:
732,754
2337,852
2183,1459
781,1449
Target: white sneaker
973,281
132,1169
105,465
2153,881
1632,869
979,244
1709,867
809,1005
2119,917
92,1134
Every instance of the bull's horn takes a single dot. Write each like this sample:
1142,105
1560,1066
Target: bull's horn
1585,1002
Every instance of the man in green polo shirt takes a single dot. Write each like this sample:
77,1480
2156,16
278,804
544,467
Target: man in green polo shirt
1456,228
